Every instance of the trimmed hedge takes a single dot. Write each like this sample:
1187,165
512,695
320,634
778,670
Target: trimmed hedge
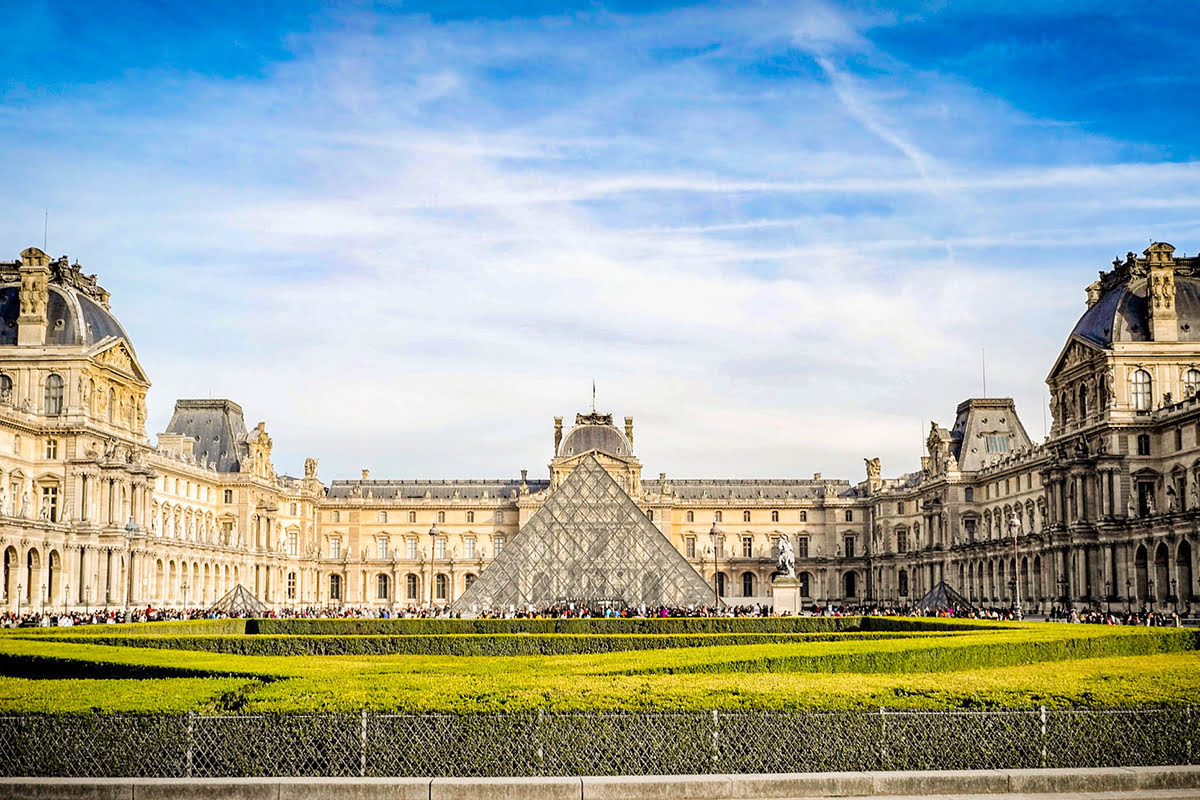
521,644
401,627
952,655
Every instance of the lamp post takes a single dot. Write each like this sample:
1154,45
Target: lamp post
87,598
1128,595
433,537
1108,597
713,534
1151,596
1174,594
1014,527
66,594
20,590
185,588
42,599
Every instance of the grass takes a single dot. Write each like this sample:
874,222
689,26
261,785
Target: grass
937,666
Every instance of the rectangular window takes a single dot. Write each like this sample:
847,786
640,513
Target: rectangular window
498,543
292,509
335,548
900,507
383,516
335,516
293,543
650,514
689,546
1178,440
720,546
291,586
849,547
1143,444
745,516
969,495
381,547
228,496
499,516
439,547
802,547
717,517
996,443
747,547
49,509
52,448
803,517
849,515
410,548
469,547
901,541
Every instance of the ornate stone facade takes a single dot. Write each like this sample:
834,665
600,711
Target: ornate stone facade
94,514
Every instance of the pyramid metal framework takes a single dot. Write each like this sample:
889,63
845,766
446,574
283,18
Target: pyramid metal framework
588,544
943,596
238,601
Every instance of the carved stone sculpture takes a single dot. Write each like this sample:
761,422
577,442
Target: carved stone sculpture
25,505
787,558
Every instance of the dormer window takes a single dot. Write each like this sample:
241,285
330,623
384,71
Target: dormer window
53,399
1140,390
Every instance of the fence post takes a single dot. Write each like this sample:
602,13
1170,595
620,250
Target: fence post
362,744
716,743
1042,714
191,740
539,738
882,738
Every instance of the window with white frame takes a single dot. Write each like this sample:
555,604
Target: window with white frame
291,586
52,449
470,516
410,548
412,517
383,516
441,517
1141,390
469,547
691,516
53,400
293,543
381,547
335,516
335,548
439,547
717,517
292,509
689,545
227,496
747,547
745,516
498,545
499,516
1191,382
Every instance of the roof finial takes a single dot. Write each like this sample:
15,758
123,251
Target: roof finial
593,395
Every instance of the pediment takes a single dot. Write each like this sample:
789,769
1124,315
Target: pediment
1076,351
116,354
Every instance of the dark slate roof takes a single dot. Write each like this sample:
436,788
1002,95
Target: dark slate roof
72,317
1122,315
750,489
467,489
218,429
605,438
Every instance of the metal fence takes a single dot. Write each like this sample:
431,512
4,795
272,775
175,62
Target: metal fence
588,743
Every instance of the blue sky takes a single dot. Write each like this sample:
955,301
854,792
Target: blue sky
777,234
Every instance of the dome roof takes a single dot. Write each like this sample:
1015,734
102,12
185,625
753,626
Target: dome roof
72,317
605,438
1123,314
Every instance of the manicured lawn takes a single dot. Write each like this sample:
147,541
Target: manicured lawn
936,666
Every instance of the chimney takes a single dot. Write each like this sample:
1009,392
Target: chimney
557,433
629,431
1160,295
35,278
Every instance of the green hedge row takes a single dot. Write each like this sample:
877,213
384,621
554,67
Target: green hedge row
467,644
952,656
400,627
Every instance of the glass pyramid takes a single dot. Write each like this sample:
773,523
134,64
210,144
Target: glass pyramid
591,545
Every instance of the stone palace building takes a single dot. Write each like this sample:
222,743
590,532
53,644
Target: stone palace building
95,514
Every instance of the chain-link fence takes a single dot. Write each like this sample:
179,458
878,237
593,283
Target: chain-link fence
589,743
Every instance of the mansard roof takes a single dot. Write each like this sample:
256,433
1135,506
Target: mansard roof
467,489
218,429
750,489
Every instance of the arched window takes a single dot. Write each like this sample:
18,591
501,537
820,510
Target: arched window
803,517
902,581
470,516
335,587
747,584
851,581
717,517
440,586
1191,383
745,516
441,516
775,516
6,389
412,517
1083,402
1140,390
499,516
53,398
112,404
691,516
381,587
410,586
805,584
650,514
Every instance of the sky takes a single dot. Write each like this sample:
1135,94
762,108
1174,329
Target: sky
784,237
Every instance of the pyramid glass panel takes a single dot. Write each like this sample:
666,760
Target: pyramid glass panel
591,545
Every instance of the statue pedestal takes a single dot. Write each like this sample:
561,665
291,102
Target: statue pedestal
785,597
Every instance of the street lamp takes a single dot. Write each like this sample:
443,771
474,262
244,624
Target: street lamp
433,537
1174,594
42,599
66,594
20,590
1128,595
87,598
185,588
713,534
1014,527
1107,597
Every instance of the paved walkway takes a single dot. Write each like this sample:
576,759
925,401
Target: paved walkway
1132,783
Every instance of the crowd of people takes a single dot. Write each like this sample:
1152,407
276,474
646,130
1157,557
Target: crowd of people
64,619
